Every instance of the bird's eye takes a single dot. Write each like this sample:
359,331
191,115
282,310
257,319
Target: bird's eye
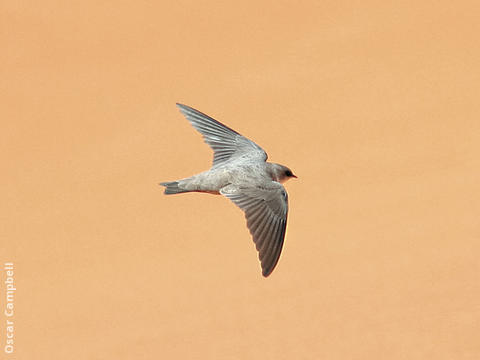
288,173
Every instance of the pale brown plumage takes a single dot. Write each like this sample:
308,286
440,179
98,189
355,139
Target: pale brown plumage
240,172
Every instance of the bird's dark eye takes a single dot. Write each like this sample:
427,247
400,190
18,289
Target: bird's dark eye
288,173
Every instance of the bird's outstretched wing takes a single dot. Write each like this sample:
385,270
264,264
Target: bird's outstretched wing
226,143
266,212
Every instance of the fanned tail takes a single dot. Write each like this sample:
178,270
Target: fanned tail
171,187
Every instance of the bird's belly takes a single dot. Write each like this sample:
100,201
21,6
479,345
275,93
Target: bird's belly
208,182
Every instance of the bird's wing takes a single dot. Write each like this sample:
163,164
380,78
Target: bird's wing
266,211
226,143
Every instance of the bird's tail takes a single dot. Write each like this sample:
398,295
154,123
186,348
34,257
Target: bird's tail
171,187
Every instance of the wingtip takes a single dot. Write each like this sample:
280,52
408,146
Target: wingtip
267,272
185,109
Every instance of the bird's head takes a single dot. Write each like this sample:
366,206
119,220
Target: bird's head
281,173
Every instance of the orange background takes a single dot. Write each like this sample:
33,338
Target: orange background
374,105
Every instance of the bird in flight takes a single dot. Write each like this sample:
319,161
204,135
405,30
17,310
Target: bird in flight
241,173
